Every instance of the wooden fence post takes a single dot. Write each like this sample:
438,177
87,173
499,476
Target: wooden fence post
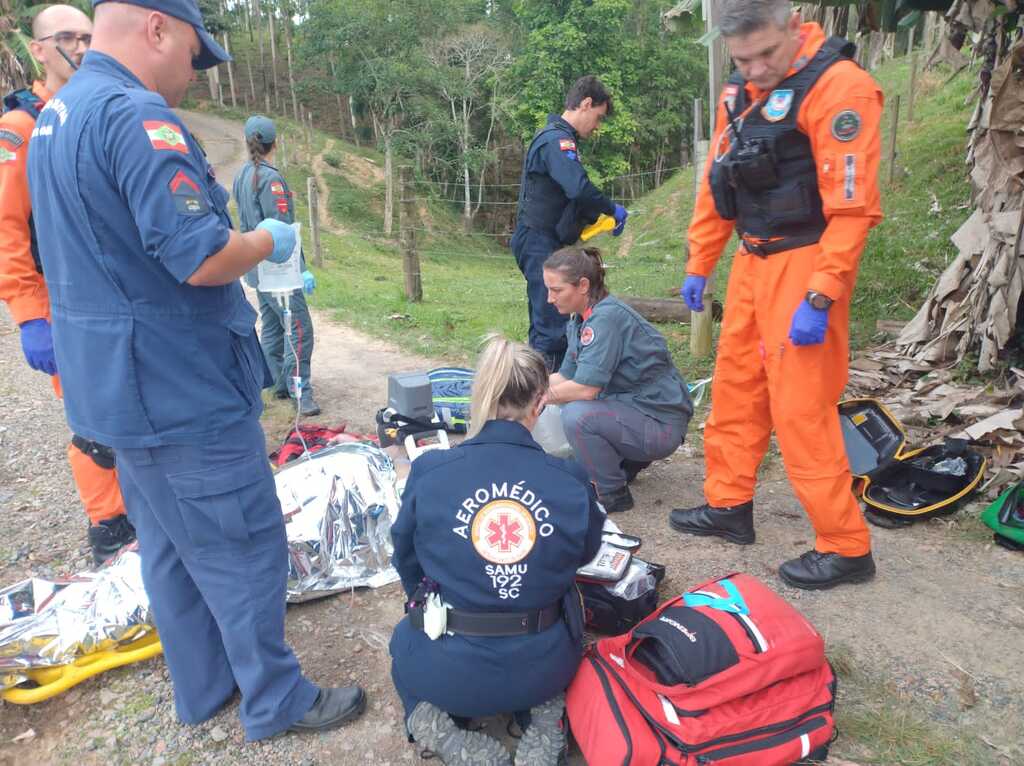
912,95
313,199
701,322
407,236
893,135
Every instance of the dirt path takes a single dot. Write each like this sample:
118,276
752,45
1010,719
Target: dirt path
941,627
319,169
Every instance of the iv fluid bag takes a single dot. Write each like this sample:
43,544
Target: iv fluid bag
282,277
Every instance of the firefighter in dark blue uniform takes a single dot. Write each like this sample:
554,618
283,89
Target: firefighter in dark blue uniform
143,268
556,201
490,535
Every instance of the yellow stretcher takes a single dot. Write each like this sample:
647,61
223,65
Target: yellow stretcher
603,224
54,680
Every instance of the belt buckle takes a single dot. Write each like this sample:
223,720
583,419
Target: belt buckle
754,248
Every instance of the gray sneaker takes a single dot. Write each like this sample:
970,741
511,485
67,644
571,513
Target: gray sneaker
435,731
544,742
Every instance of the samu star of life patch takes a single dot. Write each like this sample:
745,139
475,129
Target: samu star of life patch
587,336
165,136
503,532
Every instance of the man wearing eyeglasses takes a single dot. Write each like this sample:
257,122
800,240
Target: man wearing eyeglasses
60,37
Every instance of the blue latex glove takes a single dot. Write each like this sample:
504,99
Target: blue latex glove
284,239
621,214
809,325
308,282
693,292
37,345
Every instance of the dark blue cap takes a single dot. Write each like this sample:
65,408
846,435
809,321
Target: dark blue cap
210,53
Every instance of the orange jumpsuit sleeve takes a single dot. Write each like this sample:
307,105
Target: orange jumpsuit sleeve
709,232
842,117
21,286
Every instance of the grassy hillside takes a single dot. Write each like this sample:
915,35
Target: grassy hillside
471,284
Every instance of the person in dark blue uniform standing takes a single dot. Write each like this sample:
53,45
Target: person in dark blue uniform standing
495,530
262,192
624,402
556,201
142,268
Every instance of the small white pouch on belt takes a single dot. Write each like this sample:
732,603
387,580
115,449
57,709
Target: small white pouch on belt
435,616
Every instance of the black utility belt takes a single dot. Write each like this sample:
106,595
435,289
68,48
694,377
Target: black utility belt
764,249
494,624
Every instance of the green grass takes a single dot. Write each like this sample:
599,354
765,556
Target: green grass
879,724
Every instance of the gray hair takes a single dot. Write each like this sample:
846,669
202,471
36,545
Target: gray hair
742,17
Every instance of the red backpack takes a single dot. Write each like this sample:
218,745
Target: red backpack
728,674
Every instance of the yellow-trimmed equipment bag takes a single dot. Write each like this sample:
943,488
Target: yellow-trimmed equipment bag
897,484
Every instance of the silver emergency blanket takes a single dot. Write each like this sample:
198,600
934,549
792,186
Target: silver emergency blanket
339,506
54,622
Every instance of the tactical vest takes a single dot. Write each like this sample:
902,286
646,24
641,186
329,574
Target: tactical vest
28,102
767,182
541,201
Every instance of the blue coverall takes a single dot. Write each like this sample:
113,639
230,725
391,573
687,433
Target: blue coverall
644,405
501,527
554,190
271,198
169,375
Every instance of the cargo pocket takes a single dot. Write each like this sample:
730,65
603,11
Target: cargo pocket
788,206
221,506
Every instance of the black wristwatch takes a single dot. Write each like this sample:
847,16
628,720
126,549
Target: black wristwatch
818,301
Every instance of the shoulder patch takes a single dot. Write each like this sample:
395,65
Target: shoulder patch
729,95
188,199
846,125
276,187
587,336
778,105
567,145
165,136
6,155
12,139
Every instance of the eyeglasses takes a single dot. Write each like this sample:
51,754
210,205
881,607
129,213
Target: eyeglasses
68,39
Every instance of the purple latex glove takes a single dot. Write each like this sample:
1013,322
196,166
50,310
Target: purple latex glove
809,325
621,214
693,292
37,345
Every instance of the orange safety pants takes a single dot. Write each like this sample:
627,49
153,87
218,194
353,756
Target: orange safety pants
98,487
762,381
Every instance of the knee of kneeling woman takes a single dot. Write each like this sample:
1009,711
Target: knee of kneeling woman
574,416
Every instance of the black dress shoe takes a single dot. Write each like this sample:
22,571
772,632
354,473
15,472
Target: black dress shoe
110,536
818,571
618,500
734,523
633,468
333,707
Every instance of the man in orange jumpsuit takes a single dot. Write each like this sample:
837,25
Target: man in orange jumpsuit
60,37
797,179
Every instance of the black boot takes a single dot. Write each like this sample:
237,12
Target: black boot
110,536
735,523
633,468
818,571
333,707
618,500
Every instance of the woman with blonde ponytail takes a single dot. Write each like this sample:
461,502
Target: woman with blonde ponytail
624,403
487,544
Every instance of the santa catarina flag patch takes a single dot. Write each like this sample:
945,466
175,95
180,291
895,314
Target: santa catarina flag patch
165,136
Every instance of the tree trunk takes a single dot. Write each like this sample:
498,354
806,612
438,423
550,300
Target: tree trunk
211,80
273,61
252,82
263,53
352,116
291,78
389,186
231,73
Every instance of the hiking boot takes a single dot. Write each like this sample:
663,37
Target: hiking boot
734,523
333,707
436,732
617,500
110,536
633,468
307,406
818,571
544,742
